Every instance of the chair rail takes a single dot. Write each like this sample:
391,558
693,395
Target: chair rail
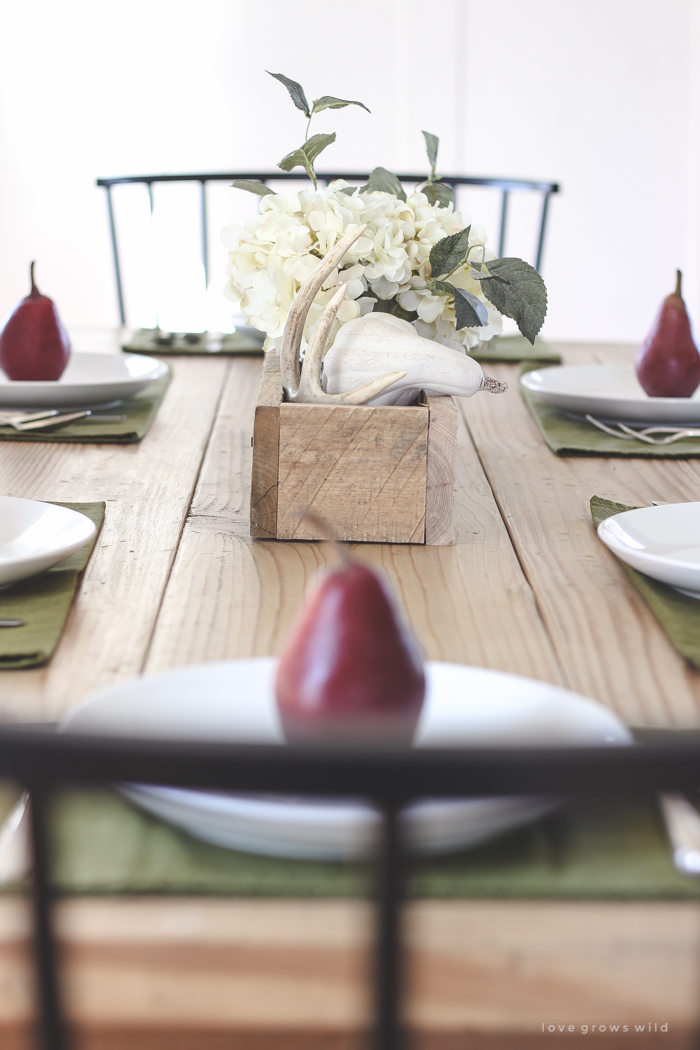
506,186
390,778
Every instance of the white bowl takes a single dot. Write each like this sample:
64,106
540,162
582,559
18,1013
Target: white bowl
234,701
662,542
34,536
608,392
89,379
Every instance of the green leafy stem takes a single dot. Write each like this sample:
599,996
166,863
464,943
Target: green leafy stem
513,286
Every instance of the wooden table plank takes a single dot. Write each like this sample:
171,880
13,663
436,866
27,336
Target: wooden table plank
609,644
147,488
261,970
230,596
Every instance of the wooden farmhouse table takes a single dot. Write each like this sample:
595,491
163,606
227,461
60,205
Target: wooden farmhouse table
526,588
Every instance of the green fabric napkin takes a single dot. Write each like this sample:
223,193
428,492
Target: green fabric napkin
140,411
568,436
142,342
678,614
510,349
43,602
589,849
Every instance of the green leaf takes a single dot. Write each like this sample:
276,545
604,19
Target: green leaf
448,253
253,187
386,182
295,90
316,144
348,189
305,156
431,144
328,102
437,193
517,290
467,307
470,312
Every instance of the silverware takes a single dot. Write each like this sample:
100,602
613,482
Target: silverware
15,853
51,418
629,434
682,822
11,623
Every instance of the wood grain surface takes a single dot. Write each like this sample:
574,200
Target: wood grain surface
527,587
440,480
229,596
266,448
147,488
263,971
606,640
361,469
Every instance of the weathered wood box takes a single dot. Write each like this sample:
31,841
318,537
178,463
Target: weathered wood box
377,475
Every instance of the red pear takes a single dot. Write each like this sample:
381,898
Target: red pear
34,344
350,671
668,364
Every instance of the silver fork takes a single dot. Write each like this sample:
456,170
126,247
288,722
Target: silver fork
682,822
628,434
50,418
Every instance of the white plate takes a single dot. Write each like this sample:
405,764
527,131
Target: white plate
663,542
34,536
234,701
89,379
608,392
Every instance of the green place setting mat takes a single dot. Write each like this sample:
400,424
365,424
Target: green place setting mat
43,602
568,436
510,349
140,411
678,614
207,344
589,849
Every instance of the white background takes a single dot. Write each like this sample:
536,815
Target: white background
601,95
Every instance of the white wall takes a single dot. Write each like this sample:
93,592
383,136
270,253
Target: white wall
601,95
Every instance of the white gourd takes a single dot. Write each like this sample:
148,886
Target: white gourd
375,360
371,346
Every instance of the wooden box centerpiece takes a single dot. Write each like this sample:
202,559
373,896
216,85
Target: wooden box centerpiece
380,474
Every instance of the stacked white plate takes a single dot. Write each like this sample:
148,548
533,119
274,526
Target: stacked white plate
89,379
662,542
34,536
234,701
608,392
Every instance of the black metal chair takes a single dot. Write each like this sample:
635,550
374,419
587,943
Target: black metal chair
43,761
506,187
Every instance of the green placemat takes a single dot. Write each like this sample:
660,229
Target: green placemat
511,349
140,411
678,614
206,345
598,849
569,436
104,845
43,602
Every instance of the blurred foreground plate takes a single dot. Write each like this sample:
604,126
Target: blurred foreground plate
234,701
662,542
608,392
89,379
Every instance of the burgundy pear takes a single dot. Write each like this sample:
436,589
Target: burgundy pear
668,364
350,670
34,344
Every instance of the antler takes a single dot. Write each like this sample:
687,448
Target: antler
308,389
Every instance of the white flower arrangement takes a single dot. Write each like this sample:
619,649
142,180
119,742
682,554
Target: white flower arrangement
394,266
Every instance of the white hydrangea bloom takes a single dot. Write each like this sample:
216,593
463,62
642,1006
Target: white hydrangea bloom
274,253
